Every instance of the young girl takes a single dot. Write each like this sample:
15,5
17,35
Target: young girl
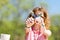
37,25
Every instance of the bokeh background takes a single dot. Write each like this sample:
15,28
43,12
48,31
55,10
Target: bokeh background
13,14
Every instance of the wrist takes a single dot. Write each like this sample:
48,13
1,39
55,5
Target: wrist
27,27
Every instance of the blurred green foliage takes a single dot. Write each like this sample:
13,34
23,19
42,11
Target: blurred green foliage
11,23
55,27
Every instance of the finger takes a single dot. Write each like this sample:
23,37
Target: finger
27,22
31,19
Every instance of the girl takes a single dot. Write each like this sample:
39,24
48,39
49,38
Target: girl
37,25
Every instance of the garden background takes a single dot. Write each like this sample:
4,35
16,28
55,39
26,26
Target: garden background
13,14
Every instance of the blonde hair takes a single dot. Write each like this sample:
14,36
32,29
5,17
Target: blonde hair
46,18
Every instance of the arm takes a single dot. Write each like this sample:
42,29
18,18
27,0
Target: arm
27,29
29,23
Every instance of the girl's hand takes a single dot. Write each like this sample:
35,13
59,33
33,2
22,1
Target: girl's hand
29,22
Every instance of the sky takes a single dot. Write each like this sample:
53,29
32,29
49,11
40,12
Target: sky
54,6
